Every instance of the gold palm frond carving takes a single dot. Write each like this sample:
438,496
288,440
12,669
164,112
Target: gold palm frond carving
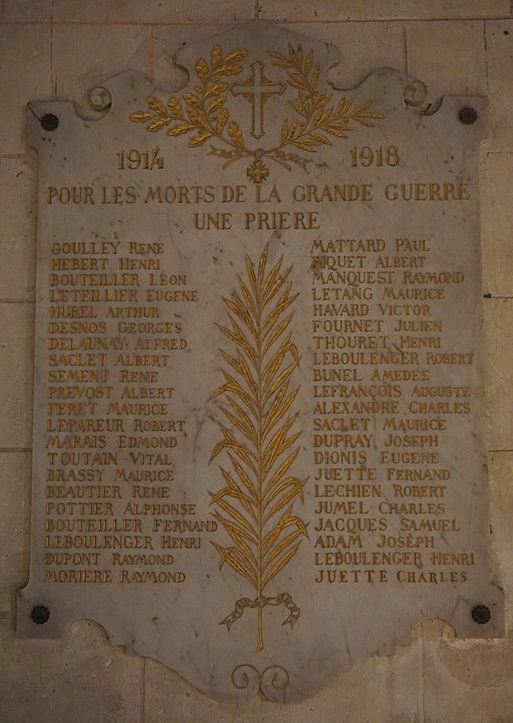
255,507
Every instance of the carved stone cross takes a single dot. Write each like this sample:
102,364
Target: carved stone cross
257,89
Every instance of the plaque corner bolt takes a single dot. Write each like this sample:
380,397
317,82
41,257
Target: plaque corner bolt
40,614
481,614
49,122
467,115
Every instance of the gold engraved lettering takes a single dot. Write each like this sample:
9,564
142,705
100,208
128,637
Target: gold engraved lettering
132,159
279,220
128,264
330,193
78,575
70,194
427,191
430,577
118,195
145,577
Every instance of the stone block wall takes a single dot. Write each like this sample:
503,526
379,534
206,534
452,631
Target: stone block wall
57,49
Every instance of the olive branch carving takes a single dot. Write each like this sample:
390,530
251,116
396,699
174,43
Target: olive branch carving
317,120
255,507
204,113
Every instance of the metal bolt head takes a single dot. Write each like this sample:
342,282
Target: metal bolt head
40,614
467,115
481,614
49,122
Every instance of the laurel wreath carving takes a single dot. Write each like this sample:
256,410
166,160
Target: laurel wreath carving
203,113
255,507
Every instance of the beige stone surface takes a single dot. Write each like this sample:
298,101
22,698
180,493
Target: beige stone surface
465,680
432,48
14,530
18,229
127,11
25,53
497,222
384,10
29,11
499,61
168,698
500,471
16,349
498,316
432,677
359,48
81,678
84,55
164,71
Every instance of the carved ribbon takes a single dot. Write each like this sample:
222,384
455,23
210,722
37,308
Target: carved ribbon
283,598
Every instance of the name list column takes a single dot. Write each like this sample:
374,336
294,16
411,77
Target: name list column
115,340
383,509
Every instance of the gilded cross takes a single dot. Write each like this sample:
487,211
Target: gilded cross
257,89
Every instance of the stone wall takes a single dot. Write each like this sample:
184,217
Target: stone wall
56,49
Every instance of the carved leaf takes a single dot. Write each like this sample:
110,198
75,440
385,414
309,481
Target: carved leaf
215,89
343,107
235,56
285,131
216,56
320,119
365,117
175,106
235,134
229,69
192,100
281,61
299,108
339,129
140,116
180,129
319,137
199,140
156,105
214,105
159,123
222,119
297,81
202,70
306,144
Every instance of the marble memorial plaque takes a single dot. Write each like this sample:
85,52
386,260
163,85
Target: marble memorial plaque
258,428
